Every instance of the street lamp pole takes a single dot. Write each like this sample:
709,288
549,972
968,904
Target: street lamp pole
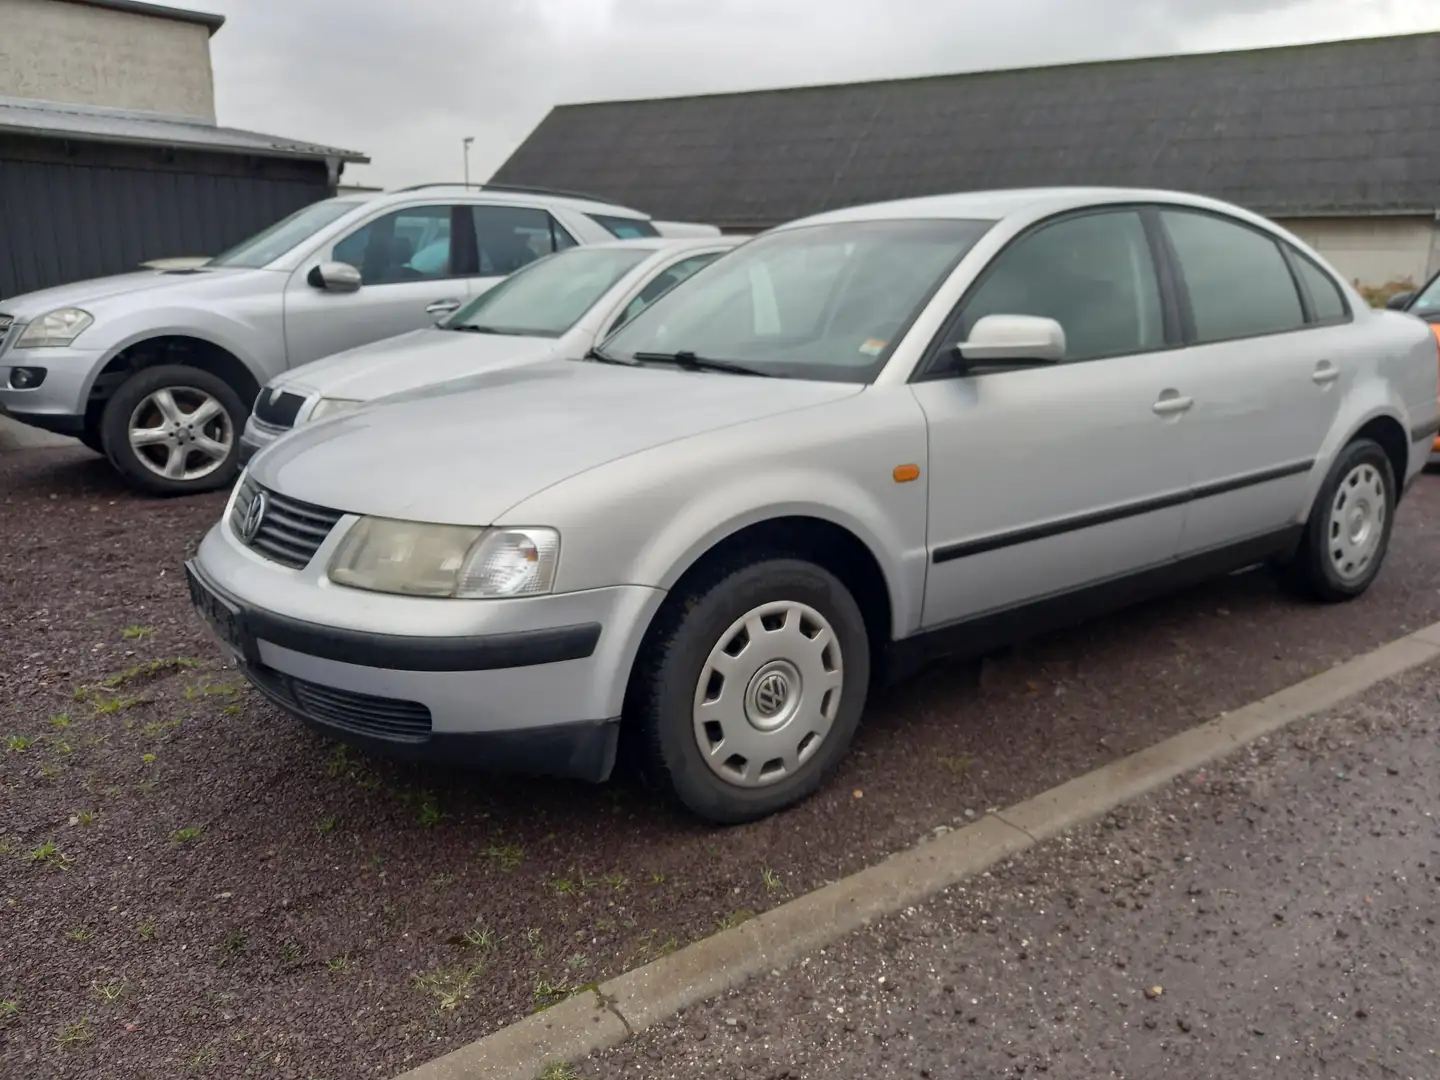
465,142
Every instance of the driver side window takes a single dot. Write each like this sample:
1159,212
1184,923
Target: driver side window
413,244
1092,274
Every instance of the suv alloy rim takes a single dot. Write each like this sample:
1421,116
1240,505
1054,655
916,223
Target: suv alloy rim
181,433
1357,521
768,694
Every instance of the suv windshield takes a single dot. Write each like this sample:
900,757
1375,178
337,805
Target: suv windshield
1428,301
265,247
550,295
822,302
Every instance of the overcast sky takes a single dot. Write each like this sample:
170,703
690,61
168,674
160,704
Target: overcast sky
405,82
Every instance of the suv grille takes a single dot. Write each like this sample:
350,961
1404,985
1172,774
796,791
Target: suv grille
277,412
290,531
6,322
361,714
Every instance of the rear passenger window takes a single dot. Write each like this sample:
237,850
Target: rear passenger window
1092,274
1325,295
509,237
1239,283
624,228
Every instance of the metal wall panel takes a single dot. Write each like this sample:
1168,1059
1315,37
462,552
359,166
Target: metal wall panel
63,221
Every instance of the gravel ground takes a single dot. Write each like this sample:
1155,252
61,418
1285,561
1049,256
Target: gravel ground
1272,917
192,882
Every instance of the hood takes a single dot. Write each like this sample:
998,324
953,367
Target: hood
411,360
465,452
85,294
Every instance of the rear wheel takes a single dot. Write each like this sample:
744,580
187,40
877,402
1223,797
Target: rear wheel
751,687
1348,533
174,430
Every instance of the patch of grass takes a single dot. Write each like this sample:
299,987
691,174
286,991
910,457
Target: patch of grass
430,813
291,951
148,759
18,744
105,706
150,669
137,633
158,727
185,835
535,942
507,856
83,817
338,963
110,992
60,746
327,824
615,881
960,765
772,881
231,946
51,855
651,947
146,929
547,992
9,1008
79,933
449,986
342,765
48,771
657,878
479,937
61,721
74,1034
442,879
201,1059
733,919
558,1070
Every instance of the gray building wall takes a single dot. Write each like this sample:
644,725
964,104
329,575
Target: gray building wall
1374,251
52,50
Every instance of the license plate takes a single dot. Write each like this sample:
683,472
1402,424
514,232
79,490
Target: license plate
221,616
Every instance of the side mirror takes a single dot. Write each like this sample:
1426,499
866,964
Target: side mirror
1011,341
1400,301
334,277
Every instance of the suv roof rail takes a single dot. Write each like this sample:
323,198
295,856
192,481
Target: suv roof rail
519,189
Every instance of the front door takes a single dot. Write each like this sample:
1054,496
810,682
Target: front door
414,263
1273,351
1046,480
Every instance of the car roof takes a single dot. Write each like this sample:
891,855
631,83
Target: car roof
995,205
481,194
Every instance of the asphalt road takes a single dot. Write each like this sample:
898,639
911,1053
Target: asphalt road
1274,916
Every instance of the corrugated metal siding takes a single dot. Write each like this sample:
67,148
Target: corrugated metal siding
66,222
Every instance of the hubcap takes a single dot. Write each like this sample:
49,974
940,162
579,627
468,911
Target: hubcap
181,433
1357,522
768,694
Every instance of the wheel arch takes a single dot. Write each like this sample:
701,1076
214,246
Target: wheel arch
182,347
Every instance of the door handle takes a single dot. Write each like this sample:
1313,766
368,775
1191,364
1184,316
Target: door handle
442,307
1325,373
1172,404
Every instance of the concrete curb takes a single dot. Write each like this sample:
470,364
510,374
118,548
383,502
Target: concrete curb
620,1008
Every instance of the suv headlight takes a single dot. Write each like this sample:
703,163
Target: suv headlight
416,559
329,406
55,329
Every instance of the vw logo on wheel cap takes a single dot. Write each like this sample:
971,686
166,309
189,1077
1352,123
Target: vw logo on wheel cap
771,694
254,516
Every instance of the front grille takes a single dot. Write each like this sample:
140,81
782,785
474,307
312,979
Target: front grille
277,412
6,322
359,714
290,531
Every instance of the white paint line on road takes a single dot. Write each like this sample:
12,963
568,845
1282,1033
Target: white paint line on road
605,1017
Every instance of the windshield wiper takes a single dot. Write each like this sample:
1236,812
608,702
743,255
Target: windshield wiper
475,328
690,362
595,354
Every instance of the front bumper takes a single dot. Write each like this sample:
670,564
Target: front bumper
58,403
533,685
256,436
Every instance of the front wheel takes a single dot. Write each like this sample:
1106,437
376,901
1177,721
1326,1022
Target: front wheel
1348,533
173,430
750,687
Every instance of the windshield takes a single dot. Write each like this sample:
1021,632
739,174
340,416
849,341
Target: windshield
550,295
265,247
1428,301
822,302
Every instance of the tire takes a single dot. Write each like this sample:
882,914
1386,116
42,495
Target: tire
1330,564
755,707
204,466
91,439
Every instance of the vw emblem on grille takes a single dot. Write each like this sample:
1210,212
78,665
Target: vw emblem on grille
772,694
253,517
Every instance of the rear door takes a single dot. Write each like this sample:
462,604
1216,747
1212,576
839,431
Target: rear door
414,264
1273,347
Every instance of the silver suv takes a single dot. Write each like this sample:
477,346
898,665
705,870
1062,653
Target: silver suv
855,443
158,369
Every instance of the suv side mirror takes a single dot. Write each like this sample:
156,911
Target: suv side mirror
334,277
1011,341
1400,301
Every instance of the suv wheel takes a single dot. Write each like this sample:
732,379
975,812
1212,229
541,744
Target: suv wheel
174,430
1348,533
751,687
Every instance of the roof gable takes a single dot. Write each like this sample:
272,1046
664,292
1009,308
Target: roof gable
1339,127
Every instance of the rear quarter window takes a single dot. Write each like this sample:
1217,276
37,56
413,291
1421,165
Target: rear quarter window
624,228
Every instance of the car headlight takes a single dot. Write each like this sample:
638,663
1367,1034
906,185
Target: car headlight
329,406
416,559
55,329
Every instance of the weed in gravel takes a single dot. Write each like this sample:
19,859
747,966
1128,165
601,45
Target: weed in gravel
558,1070
327,824
448,986
148,759
442,879
959,765
547,993
479,937
79,933
534,941
338,963
615,881
106,706
146,929
18,744
657,878
147,671
158,727
733,919
772,881
48,771
201,1059
230,946
137,633
74,1034
9,1008
60,746
291,951
110,992
82,817
61,722
651,947
342,765
507,856
430,812
185,835
51,855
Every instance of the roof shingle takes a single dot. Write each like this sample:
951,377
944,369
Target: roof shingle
1333,128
